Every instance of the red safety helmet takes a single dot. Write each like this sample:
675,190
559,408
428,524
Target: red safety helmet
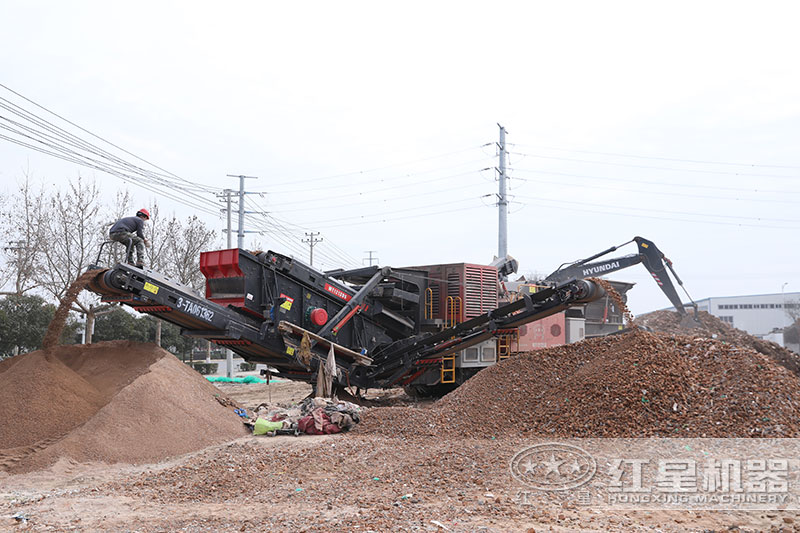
144,212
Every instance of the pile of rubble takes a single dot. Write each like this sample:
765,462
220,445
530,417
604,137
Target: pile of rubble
637,384
313,416
714,328
111,402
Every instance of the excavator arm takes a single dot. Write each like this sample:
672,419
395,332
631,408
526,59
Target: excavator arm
649,255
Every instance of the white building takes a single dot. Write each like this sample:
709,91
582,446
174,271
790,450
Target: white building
758,314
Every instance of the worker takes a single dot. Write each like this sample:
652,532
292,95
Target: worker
129,231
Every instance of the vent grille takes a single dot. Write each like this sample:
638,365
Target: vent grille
480,290
453,284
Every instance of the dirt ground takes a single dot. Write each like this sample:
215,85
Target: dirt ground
347,482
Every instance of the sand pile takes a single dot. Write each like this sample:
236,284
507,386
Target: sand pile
713,327
112,402
633,385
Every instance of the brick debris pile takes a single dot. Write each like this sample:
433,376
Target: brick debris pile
638,384
114,401
712,327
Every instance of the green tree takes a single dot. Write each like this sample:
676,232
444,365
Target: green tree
171,338
120,325
23,323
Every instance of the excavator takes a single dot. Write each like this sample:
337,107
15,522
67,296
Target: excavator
649,255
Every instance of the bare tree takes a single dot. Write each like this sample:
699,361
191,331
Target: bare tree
792,310
21,227
187,240
122,207
160,234
73,230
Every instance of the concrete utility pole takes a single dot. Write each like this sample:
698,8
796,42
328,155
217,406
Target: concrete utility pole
311,241
17,247
226,193
240,244
370,258
240,235
502,200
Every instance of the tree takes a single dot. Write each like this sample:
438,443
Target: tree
23,322
119,324
160,234
182,260
22,230
73,230
792,310
114,253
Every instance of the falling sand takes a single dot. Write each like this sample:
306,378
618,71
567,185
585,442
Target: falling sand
60,318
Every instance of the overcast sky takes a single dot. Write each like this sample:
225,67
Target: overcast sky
372,123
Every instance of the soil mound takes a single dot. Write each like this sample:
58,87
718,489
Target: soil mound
712,327
112,402
637,384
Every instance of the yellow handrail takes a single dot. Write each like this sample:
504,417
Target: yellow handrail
428,303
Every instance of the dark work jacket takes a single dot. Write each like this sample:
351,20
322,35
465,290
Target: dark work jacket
130,225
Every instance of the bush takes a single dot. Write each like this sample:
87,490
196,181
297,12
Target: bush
205,368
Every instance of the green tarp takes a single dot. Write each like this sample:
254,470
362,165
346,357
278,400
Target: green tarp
246,379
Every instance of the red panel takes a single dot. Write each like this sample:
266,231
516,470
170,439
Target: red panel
220,264
543,333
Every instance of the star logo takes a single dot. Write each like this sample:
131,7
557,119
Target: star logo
553,466
529,466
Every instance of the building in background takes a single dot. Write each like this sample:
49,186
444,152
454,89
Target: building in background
761,315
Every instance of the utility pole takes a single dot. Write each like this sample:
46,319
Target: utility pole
17,247
240,235
502,200
311,241
370,258
240,244
226,193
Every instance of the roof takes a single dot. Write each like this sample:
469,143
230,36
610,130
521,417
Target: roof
778,294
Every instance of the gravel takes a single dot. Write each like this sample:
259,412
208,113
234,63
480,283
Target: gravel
637,384
713,327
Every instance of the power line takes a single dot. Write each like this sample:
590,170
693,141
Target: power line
432,193
649,210
361,217
394,187
306,190
92,134
658,193
307,180
59,151
630,165
657,158
281,233
393,219
370,258
659,183
312,241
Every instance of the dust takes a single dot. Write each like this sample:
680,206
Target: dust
60,318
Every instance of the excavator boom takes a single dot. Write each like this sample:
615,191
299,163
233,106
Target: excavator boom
649,255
